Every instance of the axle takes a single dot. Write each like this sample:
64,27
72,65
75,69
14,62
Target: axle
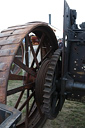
73,90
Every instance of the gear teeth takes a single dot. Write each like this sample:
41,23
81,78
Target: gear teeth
51,68
53,63
46,101
47,90
46,105
58,51
47,114
54,56
47,111
47,97
48,79
48,85
49,73
54,59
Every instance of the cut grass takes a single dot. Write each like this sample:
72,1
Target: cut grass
12,99
72,115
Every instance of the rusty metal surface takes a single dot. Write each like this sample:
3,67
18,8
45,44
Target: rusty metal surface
40,85
9,48
51,97
10,41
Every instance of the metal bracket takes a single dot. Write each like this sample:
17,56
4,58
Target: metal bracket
9,116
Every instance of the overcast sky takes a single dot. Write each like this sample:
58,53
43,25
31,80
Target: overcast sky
14,12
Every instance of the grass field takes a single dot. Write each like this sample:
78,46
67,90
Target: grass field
72,115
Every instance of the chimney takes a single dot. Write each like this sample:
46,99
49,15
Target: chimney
49,18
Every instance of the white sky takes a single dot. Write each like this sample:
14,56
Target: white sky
15,12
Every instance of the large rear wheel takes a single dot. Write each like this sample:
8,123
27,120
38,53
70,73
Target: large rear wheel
19,89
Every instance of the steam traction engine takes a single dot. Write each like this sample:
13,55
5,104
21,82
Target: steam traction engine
39,88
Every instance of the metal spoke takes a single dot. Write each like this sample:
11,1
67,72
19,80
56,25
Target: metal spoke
24,67
39,46
23,105
47,54
27,64
27,59
31,107
34,54
26,51
16,77
39,109
19,99
16,90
